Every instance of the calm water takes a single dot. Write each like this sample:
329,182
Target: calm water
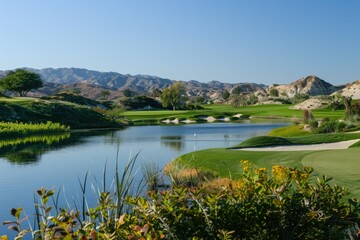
58,161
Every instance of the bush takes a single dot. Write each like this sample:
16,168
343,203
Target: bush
331,126
140,102
285,203
314,124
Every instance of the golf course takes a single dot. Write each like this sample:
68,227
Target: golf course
343,165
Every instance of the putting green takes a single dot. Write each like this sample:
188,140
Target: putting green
343,165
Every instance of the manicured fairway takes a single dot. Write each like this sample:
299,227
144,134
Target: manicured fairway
342,165
273,111
227,162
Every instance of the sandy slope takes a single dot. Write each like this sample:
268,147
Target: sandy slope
310,147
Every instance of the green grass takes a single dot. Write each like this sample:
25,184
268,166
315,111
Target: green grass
8,129
289,131
262,141
226,162
267,111
17,99
342,165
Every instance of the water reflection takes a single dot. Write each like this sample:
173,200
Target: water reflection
28,150
174,142
112,137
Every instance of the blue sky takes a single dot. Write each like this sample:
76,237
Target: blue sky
261,41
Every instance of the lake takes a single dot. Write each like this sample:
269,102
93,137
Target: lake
61,160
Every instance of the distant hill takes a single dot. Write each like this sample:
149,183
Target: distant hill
91,84
310,85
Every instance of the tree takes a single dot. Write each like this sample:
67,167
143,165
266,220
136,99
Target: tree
225,94
104,94
156,92
173,95
238,100
348,108
199,100
21,82
252,99
127,93
236,90
114,114
274,92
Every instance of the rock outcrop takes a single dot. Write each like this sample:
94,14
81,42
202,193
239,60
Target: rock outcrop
351,90
310,85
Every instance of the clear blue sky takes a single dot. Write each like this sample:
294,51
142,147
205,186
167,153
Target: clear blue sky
261,41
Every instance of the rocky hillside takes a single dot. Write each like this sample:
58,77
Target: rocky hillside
351,90
310,85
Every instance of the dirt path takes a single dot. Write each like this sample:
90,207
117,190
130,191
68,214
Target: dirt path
310,147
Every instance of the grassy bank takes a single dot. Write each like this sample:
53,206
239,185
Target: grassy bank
263,141
38,111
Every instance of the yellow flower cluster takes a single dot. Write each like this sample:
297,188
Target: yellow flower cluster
246,164
296,174
280,173
224,183
262,173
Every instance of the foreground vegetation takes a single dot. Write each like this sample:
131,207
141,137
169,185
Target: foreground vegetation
281,203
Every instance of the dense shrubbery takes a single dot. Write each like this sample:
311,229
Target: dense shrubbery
9,129
73,115
329,126
284,204
140,102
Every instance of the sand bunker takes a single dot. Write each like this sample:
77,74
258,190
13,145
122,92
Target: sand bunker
310,147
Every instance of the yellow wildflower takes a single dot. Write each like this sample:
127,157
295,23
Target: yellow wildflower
246,164
280,173
262,173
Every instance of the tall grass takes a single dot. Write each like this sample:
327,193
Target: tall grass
10,129
111,202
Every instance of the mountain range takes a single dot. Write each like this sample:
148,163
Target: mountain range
91,84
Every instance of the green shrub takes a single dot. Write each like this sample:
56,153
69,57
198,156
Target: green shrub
314,124
140,102
286,203
331,126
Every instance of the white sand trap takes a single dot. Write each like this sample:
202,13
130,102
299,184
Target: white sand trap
310,147
188,121
176,121
237,115
210,119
